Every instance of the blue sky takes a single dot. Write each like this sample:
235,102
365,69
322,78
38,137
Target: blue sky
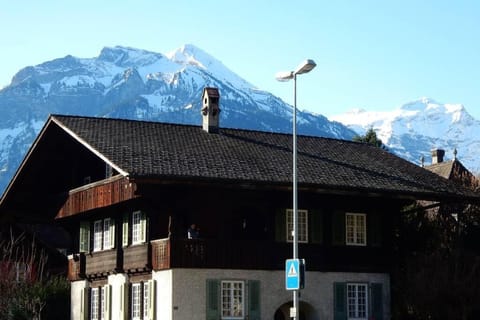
375,55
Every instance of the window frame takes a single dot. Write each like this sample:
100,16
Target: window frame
97,235
139,229
136,306
103,235
94,304
302,225
356,231
355,301
229,292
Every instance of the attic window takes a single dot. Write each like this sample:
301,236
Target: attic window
87,180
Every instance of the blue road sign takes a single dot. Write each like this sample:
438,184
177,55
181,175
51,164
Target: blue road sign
292,274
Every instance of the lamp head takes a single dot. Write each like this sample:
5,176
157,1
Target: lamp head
284,75
305,66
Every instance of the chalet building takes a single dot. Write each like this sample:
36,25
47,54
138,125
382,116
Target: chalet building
127,192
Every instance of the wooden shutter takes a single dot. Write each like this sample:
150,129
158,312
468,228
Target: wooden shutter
213,299
340,301
84,238
281,225
374,229
151,299
315,226
124,306
376,301
108,301
254,300
338,228
125,229
84,303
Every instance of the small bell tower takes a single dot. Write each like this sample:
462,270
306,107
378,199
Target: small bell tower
211,110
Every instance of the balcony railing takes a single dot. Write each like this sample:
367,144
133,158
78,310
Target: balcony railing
168,253
264,255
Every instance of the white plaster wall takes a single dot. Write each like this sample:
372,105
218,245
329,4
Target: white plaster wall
188,296
164,305
76,292
116,281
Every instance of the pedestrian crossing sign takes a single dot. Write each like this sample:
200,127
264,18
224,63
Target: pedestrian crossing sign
294,269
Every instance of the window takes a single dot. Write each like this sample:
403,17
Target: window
103,302
138,227
103,235
94,300
357,303
97,235
146,299
356,227
232,298
143,300
302,225
136,299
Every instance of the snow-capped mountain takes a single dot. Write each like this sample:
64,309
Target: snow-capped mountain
131,83
415,128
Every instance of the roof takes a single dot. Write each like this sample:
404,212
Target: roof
142,149
443,169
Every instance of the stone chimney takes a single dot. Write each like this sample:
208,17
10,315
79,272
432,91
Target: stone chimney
211,110
437,156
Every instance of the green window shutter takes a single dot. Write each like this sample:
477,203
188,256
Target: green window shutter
374,229
376,301
254,300
315,226
112,233
281,225
124,306
108,301
84,303
213,299
151,298
125,229
340,301
338,228
84,238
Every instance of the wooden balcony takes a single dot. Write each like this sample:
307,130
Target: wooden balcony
102,263
167,253
263,255
137,258
76,267
97,195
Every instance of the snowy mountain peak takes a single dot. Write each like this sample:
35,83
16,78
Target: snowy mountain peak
418,126
128,57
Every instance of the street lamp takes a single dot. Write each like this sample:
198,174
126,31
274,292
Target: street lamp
304,67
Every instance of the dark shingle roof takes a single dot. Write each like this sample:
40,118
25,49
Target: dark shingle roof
172,151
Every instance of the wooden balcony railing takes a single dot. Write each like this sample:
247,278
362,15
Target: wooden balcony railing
168,253
264,255
97,195
76,266
102,263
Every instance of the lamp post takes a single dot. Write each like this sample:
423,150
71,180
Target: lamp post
304,67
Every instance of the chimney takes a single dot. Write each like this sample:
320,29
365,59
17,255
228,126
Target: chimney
210,110
437,156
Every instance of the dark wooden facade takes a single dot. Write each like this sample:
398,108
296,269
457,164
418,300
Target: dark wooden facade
239,230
